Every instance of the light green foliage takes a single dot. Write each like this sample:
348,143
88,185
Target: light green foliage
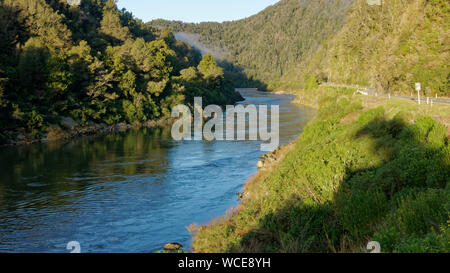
156,88
209,68
311,83
111,26
189,74
41,21
348,181
420,224
128,84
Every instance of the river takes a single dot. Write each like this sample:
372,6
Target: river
128,191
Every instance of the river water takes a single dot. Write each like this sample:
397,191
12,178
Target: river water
128,191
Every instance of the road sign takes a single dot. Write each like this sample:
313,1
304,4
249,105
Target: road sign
418,86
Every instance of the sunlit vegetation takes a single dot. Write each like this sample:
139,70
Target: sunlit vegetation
269,44
389,47
94,64
354,176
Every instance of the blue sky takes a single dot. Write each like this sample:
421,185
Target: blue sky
194,10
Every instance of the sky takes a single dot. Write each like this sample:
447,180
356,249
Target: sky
194,11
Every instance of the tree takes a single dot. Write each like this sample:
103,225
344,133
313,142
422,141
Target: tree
42,21
209,68
80,59
3,81
111,26
211,72
128,84
153,58
189,74
32,69
12,30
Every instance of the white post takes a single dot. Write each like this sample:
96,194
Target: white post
389,95
418,87
428,100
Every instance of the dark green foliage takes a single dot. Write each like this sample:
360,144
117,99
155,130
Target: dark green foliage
420,223
94,63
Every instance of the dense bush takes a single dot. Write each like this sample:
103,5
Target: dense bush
348,181
94,63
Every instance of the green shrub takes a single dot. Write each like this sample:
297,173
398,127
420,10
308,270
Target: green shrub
357,212
413,224
369,116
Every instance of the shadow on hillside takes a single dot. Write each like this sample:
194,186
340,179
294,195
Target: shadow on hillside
237,75
366,199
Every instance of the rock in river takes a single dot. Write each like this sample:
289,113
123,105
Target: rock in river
260,164
173,247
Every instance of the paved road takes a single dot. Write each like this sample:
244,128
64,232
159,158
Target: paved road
370,91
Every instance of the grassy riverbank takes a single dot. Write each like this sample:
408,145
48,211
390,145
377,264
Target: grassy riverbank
363,170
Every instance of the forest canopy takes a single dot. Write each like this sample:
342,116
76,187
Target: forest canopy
93,63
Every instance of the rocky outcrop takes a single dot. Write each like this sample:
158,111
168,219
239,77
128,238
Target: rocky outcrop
68,123
273,157
172,247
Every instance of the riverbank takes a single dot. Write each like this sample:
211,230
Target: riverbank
68,129
363,170
115,178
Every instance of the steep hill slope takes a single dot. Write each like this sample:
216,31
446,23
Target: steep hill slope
296,43
268,44
389,47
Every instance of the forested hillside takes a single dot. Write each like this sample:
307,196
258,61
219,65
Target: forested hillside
389,47
94,63
297,43
269,44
